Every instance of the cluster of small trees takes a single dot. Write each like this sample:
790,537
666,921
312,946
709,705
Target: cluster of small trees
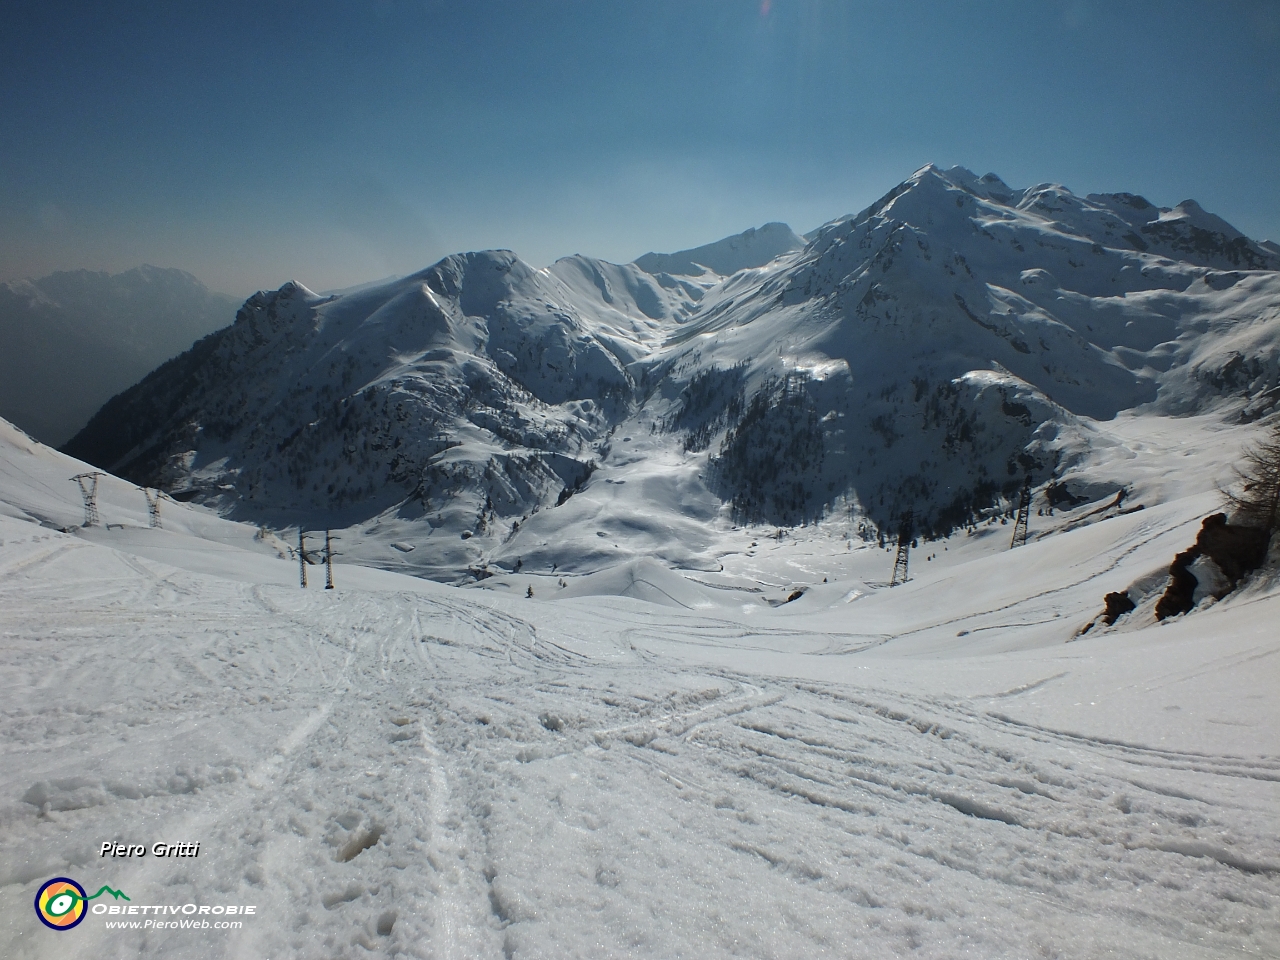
712,399
770,462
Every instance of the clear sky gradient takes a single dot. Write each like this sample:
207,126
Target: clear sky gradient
335,143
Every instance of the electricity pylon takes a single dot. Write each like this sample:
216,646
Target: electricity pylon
328,560
89,491
302,558
1024,510
153,507
904,549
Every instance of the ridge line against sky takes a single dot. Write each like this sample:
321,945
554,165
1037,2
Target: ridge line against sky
254,143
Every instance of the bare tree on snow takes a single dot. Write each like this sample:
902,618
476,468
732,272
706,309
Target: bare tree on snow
1254,496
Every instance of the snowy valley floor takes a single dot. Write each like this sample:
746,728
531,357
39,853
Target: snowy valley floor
399,768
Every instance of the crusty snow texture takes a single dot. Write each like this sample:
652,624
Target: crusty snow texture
660,764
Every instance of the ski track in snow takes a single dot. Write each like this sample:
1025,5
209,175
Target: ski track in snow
392,774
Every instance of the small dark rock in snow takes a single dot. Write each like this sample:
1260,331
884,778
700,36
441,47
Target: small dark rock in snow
1118,604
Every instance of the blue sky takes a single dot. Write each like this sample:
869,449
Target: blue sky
333,143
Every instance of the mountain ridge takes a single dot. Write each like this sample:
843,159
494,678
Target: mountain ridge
752,248
933,352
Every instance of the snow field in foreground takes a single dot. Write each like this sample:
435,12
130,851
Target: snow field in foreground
403,768
424,771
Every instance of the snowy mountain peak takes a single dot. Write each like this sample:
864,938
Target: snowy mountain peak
293,289
751,248
929,354
1194,215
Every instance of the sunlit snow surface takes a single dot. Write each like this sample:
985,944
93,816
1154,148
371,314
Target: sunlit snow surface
400,768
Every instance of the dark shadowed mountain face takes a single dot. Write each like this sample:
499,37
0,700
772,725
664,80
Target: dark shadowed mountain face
931,353
74,339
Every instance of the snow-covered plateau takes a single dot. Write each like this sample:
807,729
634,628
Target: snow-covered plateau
665,703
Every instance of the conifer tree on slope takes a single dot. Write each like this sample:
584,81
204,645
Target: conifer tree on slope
1254,498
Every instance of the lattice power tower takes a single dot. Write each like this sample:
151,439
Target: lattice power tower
328,560
1024,511
904,549
89,490
304,558
153,507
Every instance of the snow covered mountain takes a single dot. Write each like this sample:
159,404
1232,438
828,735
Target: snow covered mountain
751,248
74,339
929,354
645,723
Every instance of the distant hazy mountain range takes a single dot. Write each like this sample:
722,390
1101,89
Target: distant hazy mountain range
930,353
74,339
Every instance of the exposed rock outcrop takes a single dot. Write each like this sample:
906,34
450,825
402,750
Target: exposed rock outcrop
1231,549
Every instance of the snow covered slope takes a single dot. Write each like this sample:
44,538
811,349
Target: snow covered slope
957,336
401,768
751,248
931,353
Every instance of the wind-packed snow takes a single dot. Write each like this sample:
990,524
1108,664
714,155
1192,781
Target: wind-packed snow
645,762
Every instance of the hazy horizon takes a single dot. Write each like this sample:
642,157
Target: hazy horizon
335,147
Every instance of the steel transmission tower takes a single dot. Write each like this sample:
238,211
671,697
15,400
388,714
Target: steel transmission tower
904,549
328,560
302,558
89,490
153,507
1024,510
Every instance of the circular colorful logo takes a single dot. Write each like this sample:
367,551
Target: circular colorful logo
60,904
